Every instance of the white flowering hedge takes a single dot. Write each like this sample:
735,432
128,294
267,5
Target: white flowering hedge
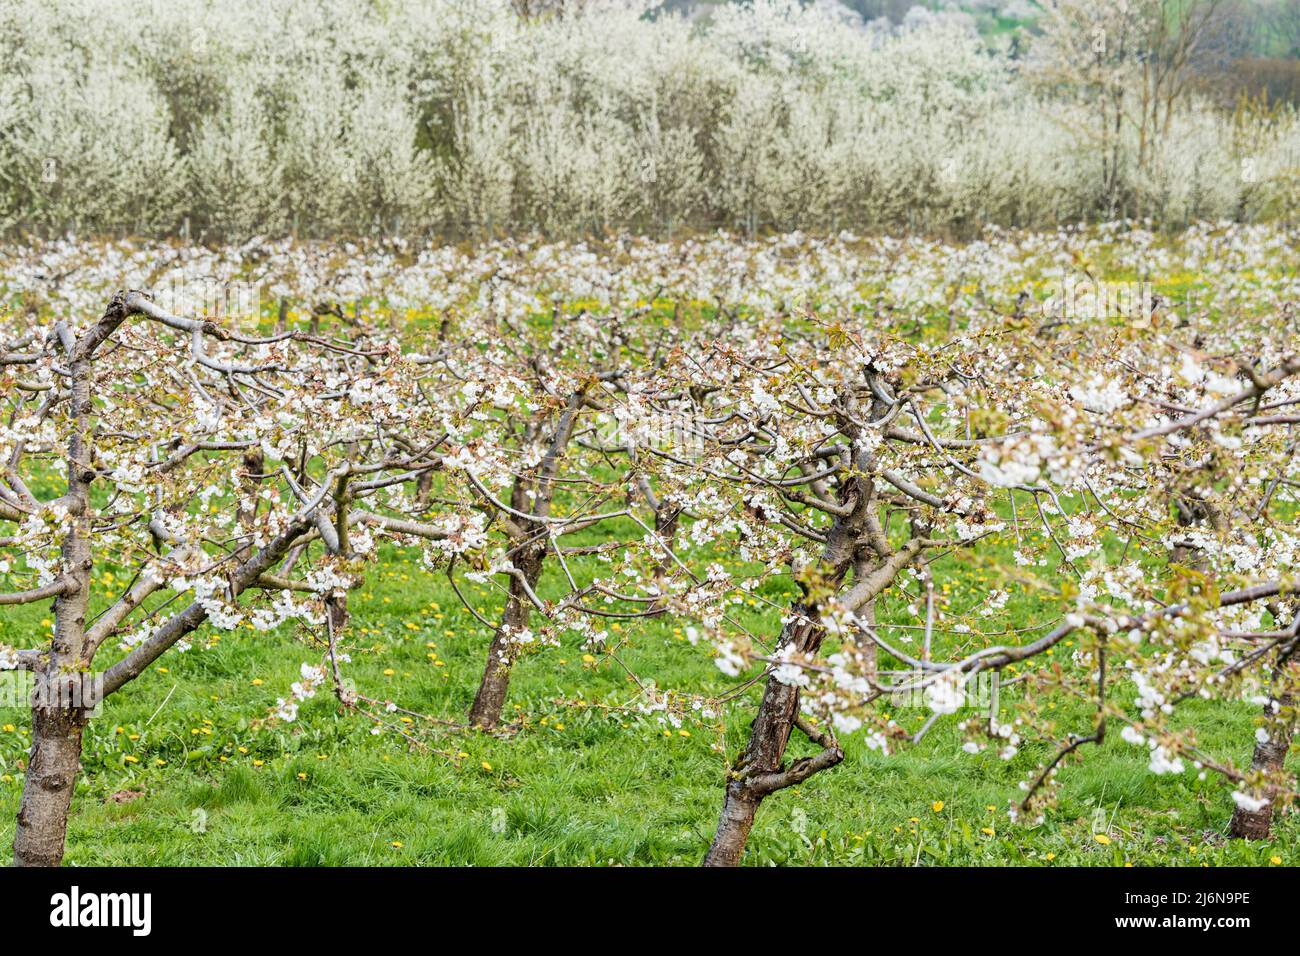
457,117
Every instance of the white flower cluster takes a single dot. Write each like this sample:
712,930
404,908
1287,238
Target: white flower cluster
946,694
312,677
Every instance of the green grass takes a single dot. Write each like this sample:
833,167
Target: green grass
575,784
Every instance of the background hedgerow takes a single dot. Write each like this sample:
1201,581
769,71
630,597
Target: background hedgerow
461,117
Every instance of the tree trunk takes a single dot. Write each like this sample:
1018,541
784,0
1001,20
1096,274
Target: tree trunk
768,738
666,520
1270,755
759,771
490,700
423,490
47,790
336,605
738,810
254,465
57,721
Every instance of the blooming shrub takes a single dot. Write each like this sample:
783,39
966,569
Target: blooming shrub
458,117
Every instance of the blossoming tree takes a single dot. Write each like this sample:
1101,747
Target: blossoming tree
860,458
153,416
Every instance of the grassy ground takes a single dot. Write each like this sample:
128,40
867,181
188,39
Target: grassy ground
178,769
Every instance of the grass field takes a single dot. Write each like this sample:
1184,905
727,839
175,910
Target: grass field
179,769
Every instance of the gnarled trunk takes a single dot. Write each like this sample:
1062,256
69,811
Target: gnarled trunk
254,465
1269,756
530,500
47,791
759,770
739,808
490,701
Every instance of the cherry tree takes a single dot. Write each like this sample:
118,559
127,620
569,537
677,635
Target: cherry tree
154,416
859,458
546,454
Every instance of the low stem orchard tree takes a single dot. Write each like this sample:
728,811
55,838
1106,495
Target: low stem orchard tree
545,454
864,467
805,444
153,417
